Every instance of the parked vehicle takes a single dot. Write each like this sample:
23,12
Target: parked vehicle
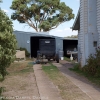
47,49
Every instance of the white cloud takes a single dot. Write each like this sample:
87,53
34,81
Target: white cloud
63,32
5,10
59,30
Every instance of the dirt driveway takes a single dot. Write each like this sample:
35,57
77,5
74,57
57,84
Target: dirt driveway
87,87
20,84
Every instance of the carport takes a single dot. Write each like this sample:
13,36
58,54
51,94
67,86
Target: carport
69,44
34,44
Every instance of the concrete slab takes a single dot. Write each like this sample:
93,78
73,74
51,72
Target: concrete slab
47,90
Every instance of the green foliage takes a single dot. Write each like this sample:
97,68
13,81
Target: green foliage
83,71
2,89
27,54
50,67
67,59
92,68
7,43
76,67
93,64
1,77
51,70
72,36
42,15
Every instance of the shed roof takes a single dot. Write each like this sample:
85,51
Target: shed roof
45,34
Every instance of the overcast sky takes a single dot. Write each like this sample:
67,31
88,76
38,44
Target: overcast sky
63,30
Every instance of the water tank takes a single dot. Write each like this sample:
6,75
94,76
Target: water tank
61,54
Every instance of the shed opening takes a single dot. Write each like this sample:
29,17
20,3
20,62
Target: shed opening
35,44
69,45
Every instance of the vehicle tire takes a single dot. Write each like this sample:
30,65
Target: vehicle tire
54,59
57,58
48,59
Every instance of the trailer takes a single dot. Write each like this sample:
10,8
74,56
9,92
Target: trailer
47,49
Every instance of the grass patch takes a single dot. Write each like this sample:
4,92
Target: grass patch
28,68
95,80
76,68
55,75
67,59
65,86
20,67
51,69
30,59
20,81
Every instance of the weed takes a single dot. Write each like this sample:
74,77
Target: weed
67,59
82,71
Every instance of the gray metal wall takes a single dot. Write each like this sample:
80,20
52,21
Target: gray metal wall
23,39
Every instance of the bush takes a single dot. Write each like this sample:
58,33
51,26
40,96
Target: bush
7,43
1,91
93,64
27,54
76,67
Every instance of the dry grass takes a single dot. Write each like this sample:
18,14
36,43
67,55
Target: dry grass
20,82
67,89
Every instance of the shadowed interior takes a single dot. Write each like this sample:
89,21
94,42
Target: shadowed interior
69,45
35,45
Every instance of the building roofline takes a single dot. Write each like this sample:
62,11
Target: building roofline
39,33
76,25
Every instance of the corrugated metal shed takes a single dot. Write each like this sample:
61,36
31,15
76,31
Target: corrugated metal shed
25,39
30,41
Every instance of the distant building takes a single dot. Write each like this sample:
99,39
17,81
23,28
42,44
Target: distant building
30,41
88,25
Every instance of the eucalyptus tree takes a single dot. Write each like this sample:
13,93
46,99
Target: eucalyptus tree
41,15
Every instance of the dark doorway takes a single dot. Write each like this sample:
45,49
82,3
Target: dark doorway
69,45
35,44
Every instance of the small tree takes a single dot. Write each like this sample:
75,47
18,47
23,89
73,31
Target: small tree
7,43
41,15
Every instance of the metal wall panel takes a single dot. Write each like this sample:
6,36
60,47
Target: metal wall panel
23,39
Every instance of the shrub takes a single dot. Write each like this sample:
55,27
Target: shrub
76,67
7,46
1,91
27,54
7,43
93,64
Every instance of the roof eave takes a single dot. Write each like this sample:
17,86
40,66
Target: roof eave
76,25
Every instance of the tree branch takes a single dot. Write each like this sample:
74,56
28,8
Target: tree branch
57,25
54,27
30,24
